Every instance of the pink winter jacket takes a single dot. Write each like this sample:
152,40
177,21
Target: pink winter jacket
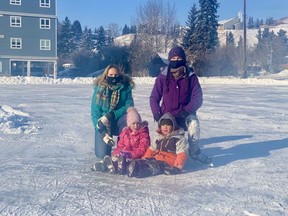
134,142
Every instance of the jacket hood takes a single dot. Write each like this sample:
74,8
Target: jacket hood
170,117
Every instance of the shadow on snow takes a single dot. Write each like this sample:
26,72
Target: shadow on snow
223,156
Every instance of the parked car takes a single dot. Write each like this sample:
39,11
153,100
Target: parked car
69,73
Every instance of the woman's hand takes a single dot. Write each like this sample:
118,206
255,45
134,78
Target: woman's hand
102,122
157,116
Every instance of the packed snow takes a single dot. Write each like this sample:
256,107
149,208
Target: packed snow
47,139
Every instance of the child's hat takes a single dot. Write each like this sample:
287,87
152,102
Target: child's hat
168,119
166,122
132,116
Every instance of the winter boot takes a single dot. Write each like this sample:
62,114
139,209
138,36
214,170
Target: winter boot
171,170
133,168
98,166
109,165
153,167
122,165
200,157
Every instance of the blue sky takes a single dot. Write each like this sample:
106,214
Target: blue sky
94,13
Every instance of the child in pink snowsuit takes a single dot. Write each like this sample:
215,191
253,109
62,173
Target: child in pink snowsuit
133,142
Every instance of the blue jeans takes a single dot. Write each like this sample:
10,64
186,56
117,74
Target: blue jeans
102,149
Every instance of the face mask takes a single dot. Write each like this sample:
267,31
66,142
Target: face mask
113,80
176,64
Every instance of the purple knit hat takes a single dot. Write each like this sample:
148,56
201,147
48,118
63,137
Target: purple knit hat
177,51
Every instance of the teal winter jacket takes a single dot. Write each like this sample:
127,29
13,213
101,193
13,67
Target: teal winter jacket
125,101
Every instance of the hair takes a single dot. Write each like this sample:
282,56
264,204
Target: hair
126,80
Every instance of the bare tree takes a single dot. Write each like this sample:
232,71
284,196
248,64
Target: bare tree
170,24
114,30
140,56
155,26
155,22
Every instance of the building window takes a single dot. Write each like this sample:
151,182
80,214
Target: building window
15,2
15,21
44,23
45,3
16,43
45,44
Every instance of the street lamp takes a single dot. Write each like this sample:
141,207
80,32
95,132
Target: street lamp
1,36
245,39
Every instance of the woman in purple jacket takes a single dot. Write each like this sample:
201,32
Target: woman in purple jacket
180,93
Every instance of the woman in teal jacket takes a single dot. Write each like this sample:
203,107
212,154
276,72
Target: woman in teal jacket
111,98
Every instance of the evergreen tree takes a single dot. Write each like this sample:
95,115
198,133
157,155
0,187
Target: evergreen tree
101,40
250,24
66,43
280,49
257,23
259,36
269,21
230,39
190,36
87,42
77,31
207,25
126,30
119,55
109,39
239,55
264,48
283,36
133,29
205,36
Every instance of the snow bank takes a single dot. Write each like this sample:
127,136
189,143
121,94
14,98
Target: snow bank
15,121
273,79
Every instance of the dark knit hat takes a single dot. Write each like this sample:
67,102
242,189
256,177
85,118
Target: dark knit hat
166,122
177,51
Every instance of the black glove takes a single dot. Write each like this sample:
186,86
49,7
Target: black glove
171,170
102,123
183,114
108,140
157,116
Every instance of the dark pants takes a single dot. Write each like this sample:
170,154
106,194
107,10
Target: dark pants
149,167
102,149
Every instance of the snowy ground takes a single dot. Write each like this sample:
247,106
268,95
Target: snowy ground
46,141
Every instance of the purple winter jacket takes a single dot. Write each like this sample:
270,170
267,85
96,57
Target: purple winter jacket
175,97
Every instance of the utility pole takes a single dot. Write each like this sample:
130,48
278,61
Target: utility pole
245,42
